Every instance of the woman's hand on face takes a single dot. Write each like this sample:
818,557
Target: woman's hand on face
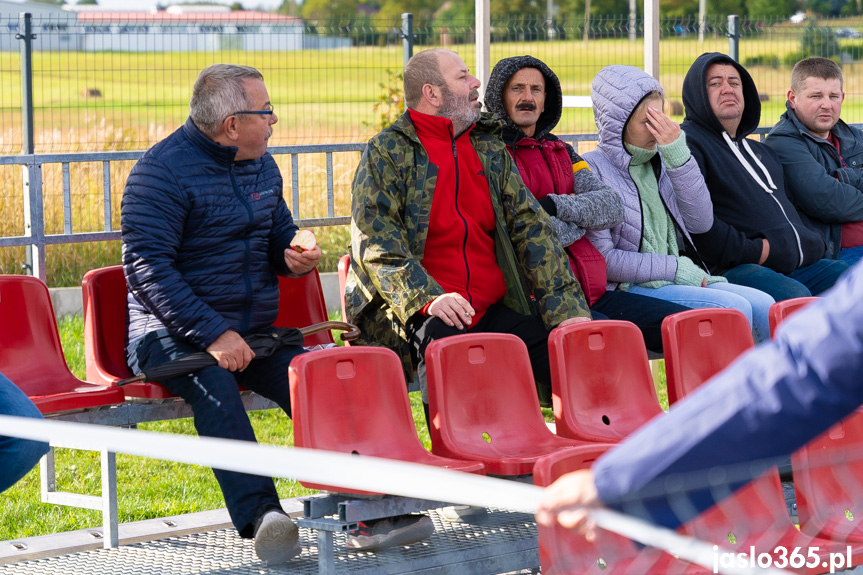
663,128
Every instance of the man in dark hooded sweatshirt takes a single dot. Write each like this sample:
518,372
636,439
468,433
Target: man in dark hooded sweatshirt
524,93
758,238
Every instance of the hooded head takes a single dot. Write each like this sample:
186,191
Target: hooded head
496,99
702,103
616,93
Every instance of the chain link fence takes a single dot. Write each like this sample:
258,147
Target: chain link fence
113,83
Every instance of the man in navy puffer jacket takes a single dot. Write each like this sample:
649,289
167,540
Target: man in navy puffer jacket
205,233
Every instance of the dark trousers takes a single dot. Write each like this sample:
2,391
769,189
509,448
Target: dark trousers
802,282
645,312
218,410
422,330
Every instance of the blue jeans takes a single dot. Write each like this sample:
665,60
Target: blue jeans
18,456
218,411
645,312
803,282
851,255
754,304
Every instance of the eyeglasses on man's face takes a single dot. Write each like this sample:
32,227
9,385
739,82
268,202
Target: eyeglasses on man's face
267,111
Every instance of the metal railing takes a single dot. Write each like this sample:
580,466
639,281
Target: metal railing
36,238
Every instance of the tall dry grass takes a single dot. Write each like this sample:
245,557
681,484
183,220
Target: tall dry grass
67,263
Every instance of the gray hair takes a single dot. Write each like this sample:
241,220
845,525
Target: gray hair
423,68
218,92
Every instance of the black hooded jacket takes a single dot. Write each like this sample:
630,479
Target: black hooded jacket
745,211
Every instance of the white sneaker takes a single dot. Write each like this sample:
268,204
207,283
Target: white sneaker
463,513
276,538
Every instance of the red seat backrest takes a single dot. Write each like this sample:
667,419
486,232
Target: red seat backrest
780,310
104,294
563,552
354,400
301,304
828,479
699,343
602,387
483,403
31,354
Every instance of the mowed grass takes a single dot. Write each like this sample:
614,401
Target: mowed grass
147,488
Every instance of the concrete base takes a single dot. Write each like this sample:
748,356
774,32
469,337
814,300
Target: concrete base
68,301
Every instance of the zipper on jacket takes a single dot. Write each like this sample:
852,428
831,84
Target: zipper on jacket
247,280
735,148
464,222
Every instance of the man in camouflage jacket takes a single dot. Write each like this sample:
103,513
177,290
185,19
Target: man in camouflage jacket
393,283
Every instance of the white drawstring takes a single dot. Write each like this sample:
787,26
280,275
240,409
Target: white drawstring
748,166
772,188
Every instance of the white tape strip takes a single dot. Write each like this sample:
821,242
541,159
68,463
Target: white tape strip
348,471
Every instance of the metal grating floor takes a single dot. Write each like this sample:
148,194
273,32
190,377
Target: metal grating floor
504,542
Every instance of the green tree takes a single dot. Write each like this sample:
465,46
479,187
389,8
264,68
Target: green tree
826,7
237,6
522,9
289,8
87,2
393,9
569,9
818,41
771,8
327,9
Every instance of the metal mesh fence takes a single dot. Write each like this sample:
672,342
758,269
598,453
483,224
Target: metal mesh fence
116,82
122,83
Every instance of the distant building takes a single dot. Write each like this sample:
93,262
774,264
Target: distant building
193,28
56,28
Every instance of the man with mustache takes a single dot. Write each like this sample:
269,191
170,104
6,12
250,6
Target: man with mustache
205,234
445,238
758,239
525,93
822,157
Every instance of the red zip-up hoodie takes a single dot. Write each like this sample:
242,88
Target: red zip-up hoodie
459,251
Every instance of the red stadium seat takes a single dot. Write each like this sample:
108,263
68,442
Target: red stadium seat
699,343
355,401
602,388
104,293
782,309
301,303
755,517
31,354
483,404
562,551
828,479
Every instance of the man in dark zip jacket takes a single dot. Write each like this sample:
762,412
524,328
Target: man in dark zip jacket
822,157
205,233
525,93
758,238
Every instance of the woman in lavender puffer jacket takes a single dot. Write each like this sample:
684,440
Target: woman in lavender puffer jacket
643,155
